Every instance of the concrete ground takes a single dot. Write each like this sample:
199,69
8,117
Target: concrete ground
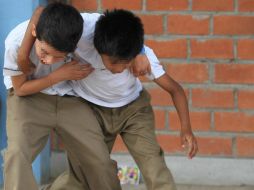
193,187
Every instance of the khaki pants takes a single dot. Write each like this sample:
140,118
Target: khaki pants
29,122
135,123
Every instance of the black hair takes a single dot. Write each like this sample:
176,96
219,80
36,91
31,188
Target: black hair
61,26
119,34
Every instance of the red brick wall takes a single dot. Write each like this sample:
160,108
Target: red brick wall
207,46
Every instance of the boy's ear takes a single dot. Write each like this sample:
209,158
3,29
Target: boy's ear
33,31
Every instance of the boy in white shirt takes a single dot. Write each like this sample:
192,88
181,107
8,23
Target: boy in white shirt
120,103
53,104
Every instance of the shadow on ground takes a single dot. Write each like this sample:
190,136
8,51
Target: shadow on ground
193,187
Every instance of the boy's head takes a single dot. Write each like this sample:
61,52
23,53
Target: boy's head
119,38
58,31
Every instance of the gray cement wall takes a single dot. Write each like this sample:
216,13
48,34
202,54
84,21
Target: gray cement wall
199,171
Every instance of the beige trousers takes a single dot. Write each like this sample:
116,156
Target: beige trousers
29,122
135,123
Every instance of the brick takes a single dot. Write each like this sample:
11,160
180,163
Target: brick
212,49
84,4
212,5
188,24
61,145
160,119
200,121
234,122
170,144
246,5
234,25
209,98
160,97
53,141
169,49
245,146
164,5
123,4
119,145
245,49
153,24
215,146
234,73
245,99
188,73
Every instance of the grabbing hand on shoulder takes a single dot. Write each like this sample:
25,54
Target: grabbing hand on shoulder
71,71
141,65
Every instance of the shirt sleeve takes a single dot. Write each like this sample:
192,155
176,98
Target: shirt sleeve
10,61
90,20
156,68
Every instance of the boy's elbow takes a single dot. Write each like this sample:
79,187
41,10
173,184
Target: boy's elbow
178,89
19,92
39,10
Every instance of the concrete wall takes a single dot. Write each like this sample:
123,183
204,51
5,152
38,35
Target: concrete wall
199,171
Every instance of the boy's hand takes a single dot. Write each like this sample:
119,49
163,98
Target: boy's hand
189,142
71,71
141,66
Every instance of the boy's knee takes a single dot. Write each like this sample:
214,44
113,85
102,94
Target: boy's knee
16,153
104,164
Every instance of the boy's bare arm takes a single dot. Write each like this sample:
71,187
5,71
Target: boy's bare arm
181,105
23,87
23,60
70,71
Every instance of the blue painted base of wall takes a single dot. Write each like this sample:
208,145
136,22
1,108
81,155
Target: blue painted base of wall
12,12
41,166
2,129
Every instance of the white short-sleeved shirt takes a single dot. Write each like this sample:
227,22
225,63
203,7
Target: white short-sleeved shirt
12,44
102,87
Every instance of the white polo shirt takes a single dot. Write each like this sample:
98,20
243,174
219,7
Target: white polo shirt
102,87
12,44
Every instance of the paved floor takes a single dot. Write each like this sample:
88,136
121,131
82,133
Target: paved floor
193,187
